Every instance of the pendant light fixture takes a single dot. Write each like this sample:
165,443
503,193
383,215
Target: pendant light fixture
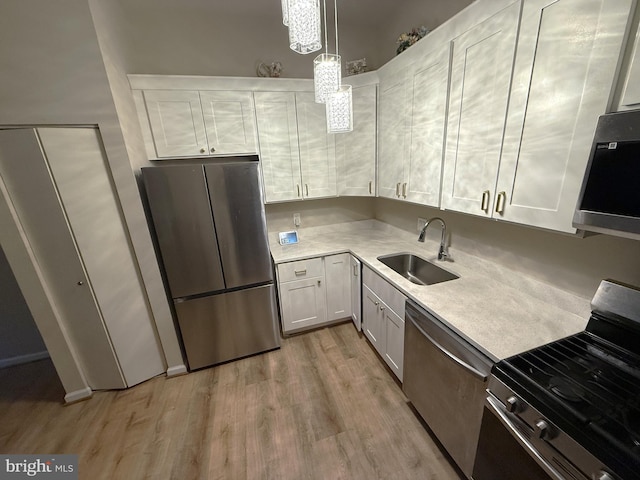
304,25
339,103
327,68
340,110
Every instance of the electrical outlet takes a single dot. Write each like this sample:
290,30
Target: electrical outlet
296,219
421,222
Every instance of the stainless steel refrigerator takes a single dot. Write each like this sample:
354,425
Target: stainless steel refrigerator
210,227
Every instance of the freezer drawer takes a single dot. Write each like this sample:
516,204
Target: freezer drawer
223,327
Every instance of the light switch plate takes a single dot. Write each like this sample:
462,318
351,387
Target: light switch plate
296,219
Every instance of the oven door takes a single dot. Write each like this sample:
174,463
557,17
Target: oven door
505,452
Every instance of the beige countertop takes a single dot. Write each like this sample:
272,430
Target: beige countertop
496,309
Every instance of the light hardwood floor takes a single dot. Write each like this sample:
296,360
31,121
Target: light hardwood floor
321,407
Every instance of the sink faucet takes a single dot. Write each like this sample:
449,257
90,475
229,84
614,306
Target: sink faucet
442,251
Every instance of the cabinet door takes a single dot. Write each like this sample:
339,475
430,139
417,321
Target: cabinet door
303,304
373,320
356,151
630,97
356,292
228,119
25,174
480,80
392,114
176,121
568,51
337,270
394,345
317,148
278,139
423,168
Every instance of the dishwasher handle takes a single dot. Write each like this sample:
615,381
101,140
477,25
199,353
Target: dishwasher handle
474,371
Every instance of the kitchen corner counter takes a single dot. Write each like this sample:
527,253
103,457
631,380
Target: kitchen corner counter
497,310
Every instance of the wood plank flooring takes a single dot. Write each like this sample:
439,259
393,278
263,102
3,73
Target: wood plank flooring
321,407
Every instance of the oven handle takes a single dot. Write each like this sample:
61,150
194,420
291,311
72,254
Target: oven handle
446,352
496,408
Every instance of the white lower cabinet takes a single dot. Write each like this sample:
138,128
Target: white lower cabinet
356,292
314,292
383,319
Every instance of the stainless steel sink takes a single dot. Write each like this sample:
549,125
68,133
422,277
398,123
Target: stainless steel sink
416,269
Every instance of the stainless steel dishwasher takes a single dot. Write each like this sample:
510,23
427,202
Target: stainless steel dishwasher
445,378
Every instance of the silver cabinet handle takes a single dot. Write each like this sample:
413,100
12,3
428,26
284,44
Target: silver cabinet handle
306,187
501,199
80,283
447,353
381,308
404,190
398,189
213,149
370,187
202,150
376,303
300,272
355,270
490,403
298,187
319,282
485,201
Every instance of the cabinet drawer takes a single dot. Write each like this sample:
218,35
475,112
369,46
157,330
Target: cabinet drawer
387,292
311,267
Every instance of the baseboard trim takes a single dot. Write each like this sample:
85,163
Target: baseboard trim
20,359
176,371
78,395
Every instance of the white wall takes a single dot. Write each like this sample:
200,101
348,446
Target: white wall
191,40
316,213
19,336
53,73
573,264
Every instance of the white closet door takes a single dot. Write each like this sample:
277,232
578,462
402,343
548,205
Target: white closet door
79,169
33,195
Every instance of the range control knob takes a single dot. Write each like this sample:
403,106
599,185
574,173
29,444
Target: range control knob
512,404
543,428
602,475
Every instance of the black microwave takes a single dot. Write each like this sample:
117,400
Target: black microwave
609,200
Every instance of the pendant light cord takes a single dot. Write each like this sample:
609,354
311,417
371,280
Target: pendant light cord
326,42
335,14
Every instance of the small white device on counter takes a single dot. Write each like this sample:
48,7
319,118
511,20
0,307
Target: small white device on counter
287,238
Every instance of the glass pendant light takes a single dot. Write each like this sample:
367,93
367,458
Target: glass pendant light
339,103
304,26
285,12
327,69
340,110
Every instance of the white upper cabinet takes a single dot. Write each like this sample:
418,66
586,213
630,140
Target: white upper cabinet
568,52
317,148
630,98
187,123
392,140
480,79
423,166
278,138
356,150
177,124
229,122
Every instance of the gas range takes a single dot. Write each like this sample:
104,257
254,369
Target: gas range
575,402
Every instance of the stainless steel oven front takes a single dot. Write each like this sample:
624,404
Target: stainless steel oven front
517,441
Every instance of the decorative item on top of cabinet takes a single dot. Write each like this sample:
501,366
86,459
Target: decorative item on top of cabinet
383,319
481,68
185,123
356,150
